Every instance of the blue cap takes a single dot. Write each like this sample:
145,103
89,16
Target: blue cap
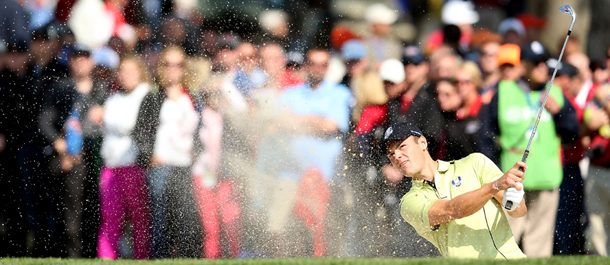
412,55
401,131
353,50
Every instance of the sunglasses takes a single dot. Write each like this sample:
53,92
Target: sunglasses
463,81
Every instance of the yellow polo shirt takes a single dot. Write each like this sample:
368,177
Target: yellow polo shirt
470,236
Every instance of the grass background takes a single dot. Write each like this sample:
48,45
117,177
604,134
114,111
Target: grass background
557,260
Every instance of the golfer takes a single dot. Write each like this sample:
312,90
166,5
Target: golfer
457,205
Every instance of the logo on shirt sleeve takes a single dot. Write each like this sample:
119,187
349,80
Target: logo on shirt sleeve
456,182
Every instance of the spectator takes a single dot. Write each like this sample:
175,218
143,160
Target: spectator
123,190
164,131
320,124
273,63
449,101
361,78
512,31
598,209
581,62
215,192
249,76
499,120
569,232
276,24
417,99
464,133
600,72
381,45
21,153
462,129
459,13
490,70
70,114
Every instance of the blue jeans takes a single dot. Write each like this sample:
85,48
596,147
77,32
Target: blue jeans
175,220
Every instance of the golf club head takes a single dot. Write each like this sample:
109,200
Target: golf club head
567,9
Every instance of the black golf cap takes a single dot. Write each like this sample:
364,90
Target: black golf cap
401,131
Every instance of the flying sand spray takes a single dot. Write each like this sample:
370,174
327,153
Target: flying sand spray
567,9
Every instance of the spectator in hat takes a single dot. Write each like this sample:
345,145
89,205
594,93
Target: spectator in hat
569,232
521,90
70,118
459,13
512,31
276,23
381,45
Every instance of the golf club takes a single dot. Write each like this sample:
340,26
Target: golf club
567,9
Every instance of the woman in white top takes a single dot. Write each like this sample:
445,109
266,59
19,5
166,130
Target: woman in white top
123,190
167,129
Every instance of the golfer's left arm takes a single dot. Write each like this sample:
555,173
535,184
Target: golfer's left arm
466,204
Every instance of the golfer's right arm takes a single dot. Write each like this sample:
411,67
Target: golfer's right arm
466,204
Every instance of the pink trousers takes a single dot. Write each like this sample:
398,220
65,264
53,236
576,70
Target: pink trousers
218,210
123,192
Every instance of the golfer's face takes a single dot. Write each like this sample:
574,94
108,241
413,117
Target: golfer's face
406,155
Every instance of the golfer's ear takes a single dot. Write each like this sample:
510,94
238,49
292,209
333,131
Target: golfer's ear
423,142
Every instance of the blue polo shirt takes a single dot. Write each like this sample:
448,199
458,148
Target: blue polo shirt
330,100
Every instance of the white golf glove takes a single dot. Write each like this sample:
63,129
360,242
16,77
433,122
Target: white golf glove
514,195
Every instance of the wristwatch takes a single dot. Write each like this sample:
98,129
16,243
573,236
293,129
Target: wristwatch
496,185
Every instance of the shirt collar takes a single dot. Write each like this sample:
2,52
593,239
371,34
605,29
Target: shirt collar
443,166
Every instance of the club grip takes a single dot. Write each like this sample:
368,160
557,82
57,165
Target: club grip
509,204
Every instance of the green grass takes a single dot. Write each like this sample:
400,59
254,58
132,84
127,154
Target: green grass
569,260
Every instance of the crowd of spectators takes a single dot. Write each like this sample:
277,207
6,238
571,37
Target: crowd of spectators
133,129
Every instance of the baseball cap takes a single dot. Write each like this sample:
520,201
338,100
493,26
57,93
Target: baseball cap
294,58
564,68
459,13
106,57
534,52
412,55
380,14
353,50
511,23
392,70
79,49
49,31
402,131
339,35
509,54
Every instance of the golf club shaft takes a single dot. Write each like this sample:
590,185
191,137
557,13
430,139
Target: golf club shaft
509,204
